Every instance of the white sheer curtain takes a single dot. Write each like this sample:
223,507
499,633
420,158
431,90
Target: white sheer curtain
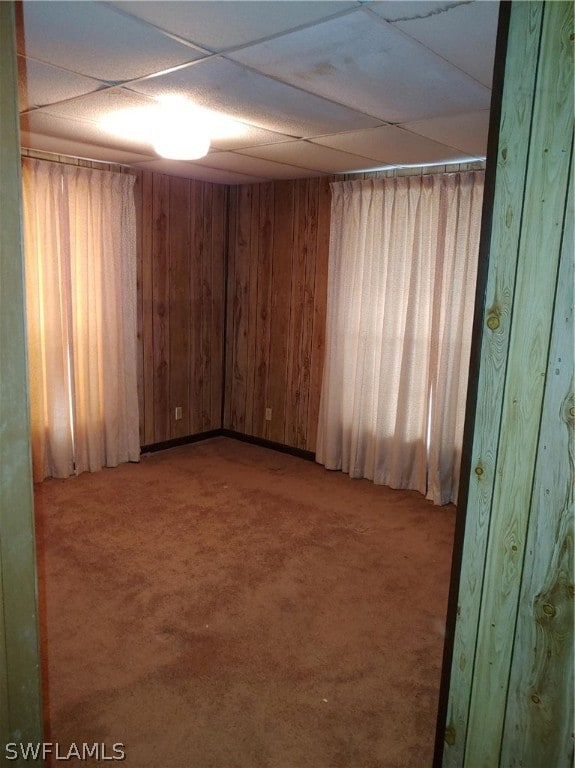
80,255
401,287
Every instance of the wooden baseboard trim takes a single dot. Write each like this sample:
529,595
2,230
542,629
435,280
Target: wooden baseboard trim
299,452
263,443
177,441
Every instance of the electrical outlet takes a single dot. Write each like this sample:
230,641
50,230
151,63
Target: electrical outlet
178,412
268,414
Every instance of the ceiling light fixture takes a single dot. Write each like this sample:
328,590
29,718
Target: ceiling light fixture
178,132
176,128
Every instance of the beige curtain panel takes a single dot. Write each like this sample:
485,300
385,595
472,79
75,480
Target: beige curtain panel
401,289
80,258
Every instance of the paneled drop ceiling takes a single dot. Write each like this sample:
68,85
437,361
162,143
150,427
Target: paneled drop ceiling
315,87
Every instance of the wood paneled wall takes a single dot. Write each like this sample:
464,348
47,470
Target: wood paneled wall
277,284
273,241
511,687
182,227
20,676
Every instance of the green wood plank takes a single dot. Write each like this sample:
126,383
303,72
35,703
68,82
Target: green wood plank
20,700
540,702
538,259
520,72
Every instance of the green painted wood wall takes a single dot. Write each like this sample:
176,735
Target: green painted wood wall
20,705
511,686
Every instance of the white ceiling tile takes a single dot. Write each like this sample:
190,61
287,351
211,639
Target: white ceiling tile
248,96
79,130
344,67
367,64
61,146
96,105
221,25
78,119
390,145
311,156
176,168
465,132
91,38
42,84
462,33
240,163
251,137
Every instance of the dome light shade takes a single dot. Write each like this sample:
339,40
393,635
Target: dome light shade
178,132
176,129
182,142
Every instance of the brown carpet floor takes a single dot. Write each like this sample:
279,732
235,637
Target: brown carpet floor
222,605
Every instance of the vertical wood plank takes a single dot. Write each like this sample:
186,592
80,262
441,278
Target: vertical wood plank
543,209
196,336
539,714
218,245
280,301
511,166
230,280
251,308
146,258
512,373
272,309
320,309
179,304
240,309
310,247
263,308
20,682
206,299
139,302
161,299
293,393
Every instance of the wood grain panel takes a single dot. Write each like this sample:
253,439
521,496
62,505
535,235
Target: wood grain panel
543,208
280,308
239,307
540,702
183,245
499,567
20,679
276,306
309,244
206,304
139,301
145,343
319,310
161,305
233,205
195,289
219,223
511,165
297,311
179,305
263,309
252,301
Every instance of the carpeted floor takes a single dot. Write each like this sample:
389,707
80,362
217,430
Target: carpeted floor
222,605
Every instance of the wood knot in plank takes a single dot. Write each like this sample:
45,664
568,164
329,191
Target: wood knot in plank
493,322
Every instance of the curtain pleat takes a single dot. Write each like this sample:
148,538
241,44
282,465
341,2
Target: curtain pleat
81,317
402,267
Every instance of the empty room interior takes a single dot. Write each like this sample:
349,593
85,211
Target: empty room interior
251,238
